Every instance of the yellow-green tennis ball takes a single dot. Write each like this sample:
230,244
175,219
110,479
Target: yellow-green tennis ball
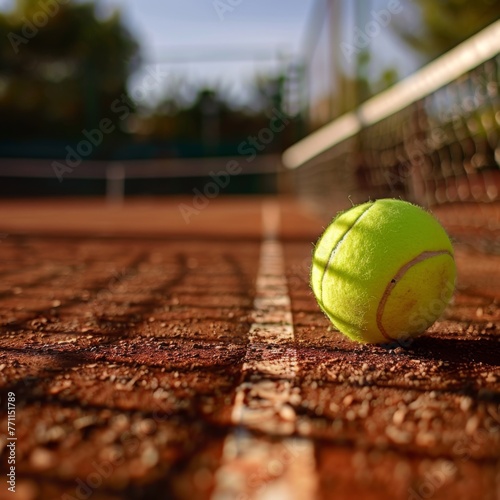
383,271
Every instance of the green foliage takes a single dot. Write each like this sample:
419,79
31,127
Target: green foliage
60,69
446,23
210,119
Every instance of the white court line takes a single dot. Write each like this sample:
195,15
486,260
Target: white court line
254,467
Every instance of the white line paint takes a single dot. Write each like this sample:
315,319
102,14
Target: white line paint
278,467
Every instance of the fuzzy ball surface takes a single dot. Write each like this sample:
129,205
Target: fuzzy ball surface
383,271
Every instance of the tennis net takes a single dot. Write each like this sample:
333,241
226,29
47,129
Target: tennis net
433,138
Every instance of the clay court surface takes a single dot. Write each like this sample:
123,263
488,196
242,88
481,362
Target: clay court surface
154,359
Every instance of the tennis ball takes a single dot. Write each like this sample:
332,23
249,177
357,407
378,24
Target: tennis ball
383,271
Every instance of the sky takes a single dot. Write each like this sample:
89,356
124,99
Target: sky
262,32
211,34
225,42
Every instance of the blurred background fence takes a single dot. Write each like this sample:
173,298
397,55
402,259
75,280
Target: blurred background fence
88,108
117,179
376,94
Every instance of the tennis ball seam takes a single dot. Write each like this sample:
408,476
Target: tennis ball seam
396,278
334,251
384,245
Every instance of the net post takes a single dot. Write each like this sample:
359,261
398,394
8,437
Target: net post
115,184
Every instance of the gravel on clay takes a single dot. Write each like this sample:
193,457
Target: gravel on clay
123,332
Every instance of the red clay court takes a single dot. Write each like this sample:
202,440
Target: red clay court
151,358
161,191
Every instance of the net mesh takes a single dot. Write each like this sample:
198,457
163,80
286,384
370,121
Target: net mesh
441,148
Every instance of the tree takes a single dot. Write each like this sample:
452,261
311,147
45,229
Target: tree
61,69
445,23
211,123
